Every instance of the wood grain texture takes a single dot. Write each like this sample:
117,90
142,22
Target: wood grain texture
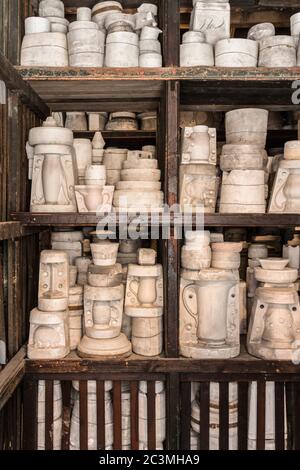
11,376
83,415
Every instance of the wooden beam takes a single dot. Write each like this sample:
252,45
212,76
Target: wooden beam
243,367
282,4
133,76
229,107
74,219
12,230
30,411
173,411
172,98
210,220
14,82
91,3
60,88
171,28
11,376
9,230
110,106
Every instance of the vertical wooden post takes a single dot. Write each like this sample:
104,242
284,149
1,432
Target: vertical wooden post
173,411
185,415
30,414
151,413
171,27
279,416
224,416
83,412
243,390
134,415
100,414
15,313
15,30
3,338
204,394
296,412
15,155
172,96
117,413
4,7
66,414
261,415
49,421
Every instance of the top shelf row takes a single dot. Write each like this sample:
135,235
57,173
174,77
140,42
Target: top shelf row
115,52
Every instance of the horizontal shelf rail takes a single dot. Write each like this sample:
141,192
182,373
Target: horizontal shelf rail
138,89
74,74
15,82
12,230
244,366
210,220
122,136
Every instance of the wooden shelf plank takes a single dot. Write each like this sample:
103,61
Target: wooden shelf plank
244,365
14,82
67,88
141,88
91,3
11,376
71,219
89,75
122,136
252,220
12,230
210,220
283,4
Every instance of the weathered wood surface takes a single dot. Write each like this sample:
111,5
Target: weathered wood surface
30,414
10,230
14,230
245,366
210,220
133,140
81,89
14,82
91,3
77,74
172,251
74,219
11,376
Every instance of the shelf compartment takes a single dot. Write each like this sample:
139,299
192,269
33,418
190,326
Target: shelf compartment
210,220
90,89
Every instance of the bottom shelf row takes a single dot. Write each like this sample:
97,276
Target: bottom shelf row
105,297
133,415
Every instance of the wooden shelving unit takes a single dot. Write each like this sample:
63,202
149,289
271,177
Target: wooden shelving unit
167,90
